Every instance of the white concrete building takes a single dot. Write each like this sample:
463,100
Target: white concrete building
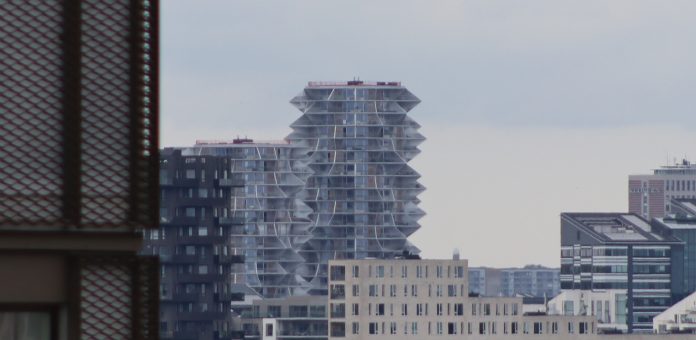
608,306
680,318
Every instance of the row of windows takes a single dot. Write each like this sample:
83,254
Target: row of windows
393,290
423,309
482,328
673,185
338,273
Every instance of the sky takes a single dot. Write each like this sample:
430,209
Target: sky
530,108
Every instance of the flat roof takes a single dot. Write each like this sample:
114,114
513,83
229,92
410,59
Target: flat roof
352,83
617,227
688,204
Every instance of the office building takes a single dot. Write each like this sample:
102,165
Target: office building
428,299
231,227
618,251
681,224
362,191
78,169
649,196
531,281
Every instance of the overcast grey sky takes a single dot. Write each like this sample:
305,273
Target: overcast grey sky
530,108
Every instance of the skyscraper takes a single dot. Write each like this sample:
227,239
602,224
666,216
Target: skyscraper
362,190
231,226
649,195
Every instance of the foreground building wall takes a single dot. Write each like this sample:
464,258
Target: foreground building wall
362,190
78,169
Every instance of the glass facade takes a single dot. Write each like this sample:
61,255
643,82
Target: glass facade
362,190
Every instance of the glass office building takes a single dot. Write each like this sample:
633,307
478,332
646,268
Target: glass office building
618,252
681,224
362,190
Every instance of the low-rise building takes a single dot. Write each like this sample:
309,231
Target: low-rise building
293,317
422,299
608,306
680,318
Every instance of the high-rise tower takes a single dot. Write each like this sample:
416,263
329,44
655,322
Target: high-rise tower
362,190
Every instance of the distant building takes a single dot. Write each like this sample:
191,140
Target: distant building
680,318
428,299
609,306
231,227
618,251
362,190
294,317
649,196
681,224
532,280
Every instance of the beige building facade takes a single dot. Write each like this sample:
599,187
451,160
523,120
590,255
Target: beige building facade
423,299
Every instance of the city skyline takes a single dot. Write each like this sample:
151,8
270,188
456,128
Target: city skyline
499,91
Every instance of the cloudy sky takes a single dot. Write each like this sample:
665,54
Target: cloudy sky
530,108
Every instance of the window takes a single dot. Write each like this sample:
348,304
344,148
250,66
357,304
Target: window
356,273
190,173
317,311
190,212
380,271
459,272
372,290
404,271
338,273
203,269
487,309
356,328
582,329
338,310
379,309
202,231
269,329
438,309
202,192
571,327
451,290
419,309
355,310
373,328
451,328
404,309
538,328
356,290
392,328
458,309
514,328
